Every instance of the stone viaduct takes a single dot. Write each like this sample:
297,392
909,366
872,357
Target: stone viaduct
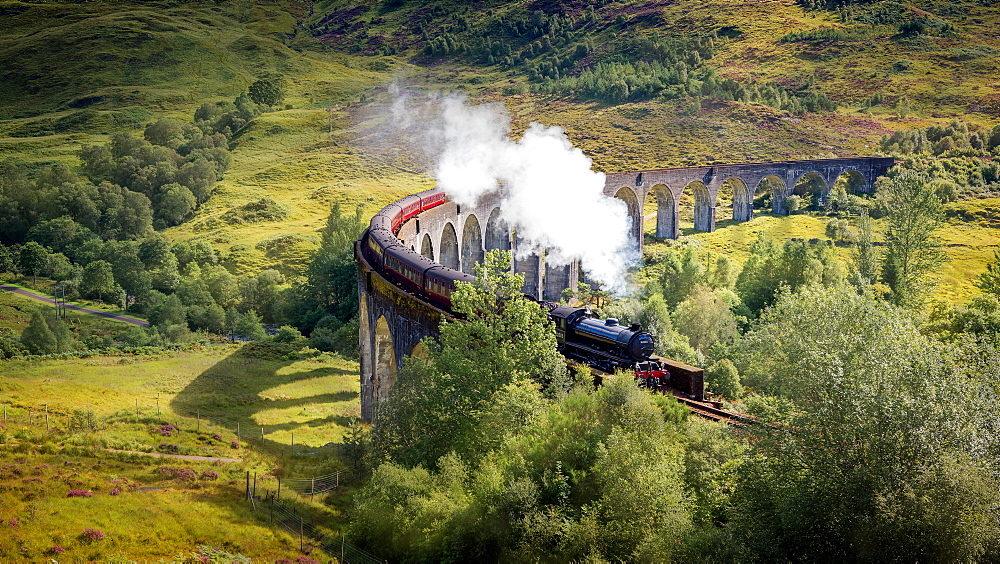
706,182
393,322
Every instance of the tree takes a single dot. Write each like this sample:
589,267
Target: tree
59,268
6,260
329,288
174,204
267,91
881,456
682,271
32,259
99,279
165,132
866,259
130,273
62,334
248,327
705,318
988,281
38,337
912,251
437,401
723,378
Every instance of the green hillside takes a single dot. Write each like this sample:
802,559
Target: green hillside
134,63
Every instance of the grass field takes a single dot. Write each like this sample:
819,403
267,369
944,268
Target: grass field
969,245
208,395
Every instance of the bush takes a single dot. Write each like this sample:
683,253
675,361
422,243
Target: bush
175,473
793,204
723,379
91,535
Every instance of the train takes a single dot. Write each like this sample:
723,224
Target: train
580,335
401,264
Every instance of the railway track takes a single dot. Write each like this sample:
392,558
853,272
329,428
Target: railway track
705,409
710,410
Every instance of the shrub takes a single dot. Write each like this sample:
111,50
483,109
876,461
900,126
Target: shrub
79,493
56,549
793,204
209,475
166,429
91,535
168,448
115,491
179,474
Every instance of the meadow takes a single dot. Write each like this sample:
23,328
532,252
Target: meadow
190,403
969,245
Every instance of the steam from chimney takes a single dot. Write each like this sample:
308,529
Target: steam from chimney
549,194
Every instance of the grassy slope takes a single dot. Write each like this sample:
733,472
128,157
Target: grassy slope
307,158
314,399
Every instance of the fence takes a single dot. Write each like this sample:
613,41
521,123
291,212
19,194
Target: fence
86,419
284,515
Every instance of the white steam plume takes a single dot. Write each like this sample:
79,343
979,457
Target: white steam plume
549,193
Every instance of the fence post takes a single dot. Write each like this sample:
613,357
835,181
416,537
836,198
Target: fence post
46,417
247,493
237,432
157,404
312,488
136,410
279,489
5,413
29,417
262,435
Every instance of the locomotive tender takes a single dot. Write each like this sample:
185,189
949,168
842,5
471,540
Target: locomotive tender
601,343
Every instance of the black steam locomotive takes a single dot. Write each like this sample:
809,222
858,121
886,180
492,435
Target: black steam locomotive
602,343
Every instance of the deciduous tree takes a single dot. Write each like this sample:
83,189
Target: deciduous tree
988,281
436,403
32,259
99,279
912,251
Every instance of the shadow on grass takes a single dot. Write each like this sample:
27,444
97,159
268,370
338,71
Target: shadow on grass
228,395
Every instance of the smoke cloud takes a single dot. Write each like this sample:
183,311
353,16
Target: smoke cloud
549,192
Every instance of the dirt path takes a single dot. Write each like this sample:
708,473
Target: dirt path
99,313
180,456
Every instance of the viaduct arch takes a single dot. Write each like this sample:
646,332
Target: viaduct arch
393,322
705,182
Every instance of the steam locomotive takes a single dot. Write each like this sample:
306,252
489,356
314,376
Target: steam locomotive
601,343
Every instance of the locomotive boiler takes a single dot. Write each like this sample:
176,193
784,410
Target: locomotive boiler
601,342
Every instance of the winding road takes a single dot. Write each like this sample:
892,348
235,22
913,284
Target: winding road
99,313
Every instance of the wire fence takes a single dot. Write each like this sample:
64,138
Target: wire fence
148,411
282,513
